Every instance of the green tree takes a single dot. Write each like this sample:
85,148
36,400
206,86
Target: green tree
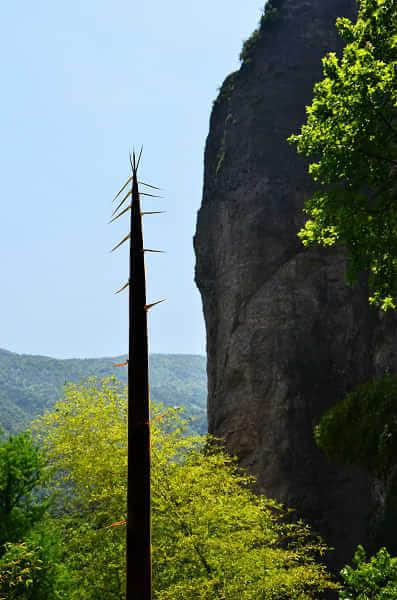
370,579
29,546
362,428
20,567
32,569
212,536
22,471
351,138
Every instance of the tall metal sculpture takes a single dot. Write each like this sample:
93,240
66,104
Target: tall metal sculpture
139,571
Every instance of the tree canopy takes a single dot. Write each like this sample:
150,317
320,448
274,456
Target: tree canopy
22,469
374,577
212,536
351,139
28,549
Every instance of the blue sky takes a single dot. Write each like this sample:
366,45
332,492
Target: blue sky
82,83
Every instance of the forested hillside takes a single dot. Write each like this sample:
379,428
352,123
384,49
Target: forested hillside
30,384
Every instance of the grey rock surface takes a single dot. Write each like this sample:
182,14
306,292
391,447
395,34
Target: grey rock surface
286,337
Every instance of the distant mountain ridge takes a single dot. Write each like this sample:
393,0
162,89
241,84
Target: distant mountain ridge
30,384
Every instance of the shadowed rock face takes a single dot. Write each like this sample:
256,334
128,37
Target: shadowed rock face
286,337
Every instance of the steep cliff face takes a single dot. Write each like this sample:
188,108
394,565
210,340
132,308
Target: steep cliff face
286,337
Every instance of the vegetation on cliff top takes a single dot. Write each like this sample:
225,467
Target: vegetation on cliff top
270,15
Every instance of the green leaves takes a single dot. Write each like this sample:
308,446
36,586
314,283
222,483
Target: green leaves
33,569
370,578
351,137
22,470
212,536
18,569
362,428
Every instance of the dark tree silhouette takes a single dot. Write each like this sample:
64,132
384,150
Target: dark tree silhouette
139,572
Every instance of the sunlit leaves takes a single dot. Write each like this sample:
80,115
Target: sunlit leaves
212,537
351,137
374,577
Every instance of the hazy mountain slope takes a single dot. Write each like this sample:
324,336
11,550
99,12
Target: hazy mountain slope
30,384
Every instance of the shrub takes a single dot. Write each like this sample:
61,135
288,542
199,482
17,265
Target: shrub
375,578
362,428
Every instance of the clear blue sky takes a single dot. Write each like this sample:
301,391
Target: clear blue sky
82,82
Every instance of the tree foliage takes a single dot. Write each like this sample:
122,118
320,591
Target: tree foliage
28,545
22,469
367,579
351,138
32,569
212,536
362,428
20,568
269,16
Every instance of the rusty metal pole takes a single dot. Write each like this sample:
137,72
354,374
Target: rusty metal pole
139,570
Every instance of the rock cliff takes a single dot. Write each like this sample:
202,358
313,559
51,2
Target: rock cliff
286,337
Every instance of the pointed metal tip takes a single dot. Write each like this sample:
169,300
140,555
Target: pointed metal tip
120,214
149,306
150,186
139,157
122,202
125,286
123,364
117,523
150,250
122,242
122,189
153,212
151,195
